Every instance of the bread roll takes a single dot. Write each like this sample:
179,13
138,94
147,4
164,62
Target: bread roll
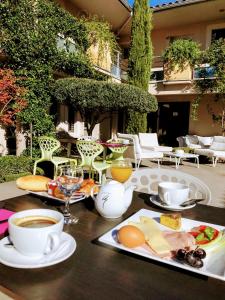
35,183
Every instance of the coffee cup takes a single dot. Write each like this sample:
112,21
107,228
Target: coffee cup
173,193
36,232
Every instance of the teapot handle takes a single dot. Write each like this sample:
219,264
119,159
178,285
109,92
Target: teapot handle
92,191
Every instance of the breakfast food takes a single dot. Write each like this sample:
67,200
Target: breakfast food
171,220
153,235
34,183
205,235
87,186
130,236
192,258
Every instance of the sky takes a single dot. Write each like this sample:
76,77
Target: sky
153,2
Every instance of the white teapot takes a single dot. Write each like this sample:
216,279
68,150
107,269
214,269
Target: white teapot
113,199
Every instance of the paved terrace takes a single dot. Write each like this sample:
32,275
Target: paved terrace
213,177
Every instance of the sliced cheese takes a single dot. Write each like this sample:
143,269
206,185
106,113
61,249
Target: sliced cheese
153,235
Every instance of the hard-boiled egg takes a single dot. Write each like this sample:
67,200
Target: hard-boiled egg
130,236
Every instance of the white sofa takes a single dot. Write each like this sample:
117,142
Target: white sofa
215,151
149,141
195,141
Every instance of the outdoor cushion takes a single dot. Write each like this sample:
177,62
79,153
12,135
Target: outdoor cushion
191,139
148,139
151,154
158,148
206,152
218,146
195,146
219,139
205,140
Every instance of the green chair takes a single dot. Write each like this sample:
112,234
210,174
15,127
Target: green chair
89,150
48,146
117,152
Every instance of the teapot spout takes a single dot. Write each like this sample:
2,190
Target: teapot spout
128,195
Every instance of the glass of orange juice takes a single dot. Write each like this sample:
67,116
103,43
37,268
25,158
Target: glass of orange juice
121,170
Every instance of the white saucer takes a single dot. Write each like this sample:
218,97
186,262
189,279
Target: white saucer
9,256
154,199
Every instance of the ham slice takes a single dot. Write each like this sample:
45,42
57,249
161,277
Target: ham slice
177,240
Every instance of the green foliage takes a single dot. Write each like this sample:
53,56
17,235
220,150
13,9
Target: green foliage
78,65
139,64
136,122
93,99
11,167
215,57
181,52
99,32
29,33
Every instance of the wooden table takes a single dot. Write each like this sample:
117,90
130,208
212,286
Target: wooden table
96,271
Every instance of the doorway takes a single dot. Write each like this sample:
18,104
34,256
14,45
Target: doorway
170,121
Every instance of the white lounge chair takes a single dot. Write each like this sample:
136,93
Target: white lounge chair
140,153
149,141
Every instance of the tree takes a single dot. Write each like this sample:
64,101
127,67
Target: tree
11,97
139,64
215,57
94,99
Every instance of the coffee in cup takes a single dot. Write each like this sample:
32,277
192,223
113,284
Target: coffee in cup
35,221
36,232
173,193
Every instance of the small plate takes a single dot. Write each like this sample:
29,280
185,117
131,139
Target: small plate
155,200
9,256
74,198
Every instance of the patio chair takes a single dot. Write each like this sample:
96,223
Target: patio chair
149,141
146,180
139,152
89,150
48,146
117,152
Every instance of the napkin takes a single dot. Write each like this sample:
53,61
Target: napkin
4,214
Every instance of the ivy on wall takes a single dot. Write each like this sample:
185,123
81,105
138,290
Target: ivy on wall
29,31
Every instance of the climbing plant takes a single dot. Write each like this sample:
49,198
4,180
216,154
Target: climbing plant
181,52
100,34
30,40
214,84
139,63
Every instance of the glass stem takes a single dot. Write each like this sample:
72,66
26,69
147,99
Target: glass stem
66,212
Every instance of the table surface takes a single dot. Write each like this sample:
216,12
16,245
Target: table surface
96,271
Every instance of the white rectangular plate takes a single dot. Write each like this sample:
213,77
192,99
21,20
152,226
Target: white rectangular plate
46,195
214,263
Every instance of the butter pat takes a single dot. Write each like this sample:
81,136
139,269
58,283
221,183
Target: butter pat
153,235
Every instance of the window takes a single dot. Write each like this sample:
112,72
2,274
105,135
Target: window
217,34
115,67
66,44
205,71
214,32
157,74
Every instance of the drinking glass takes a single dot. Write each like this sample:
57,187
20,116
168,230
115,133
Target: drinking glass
121,170
69,180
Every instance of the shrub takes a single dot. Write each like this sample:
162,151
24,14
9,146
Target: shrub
93,99
12,167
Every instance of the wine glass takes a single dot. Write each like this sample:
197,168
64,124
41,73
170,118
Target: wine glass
121,170
69,180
